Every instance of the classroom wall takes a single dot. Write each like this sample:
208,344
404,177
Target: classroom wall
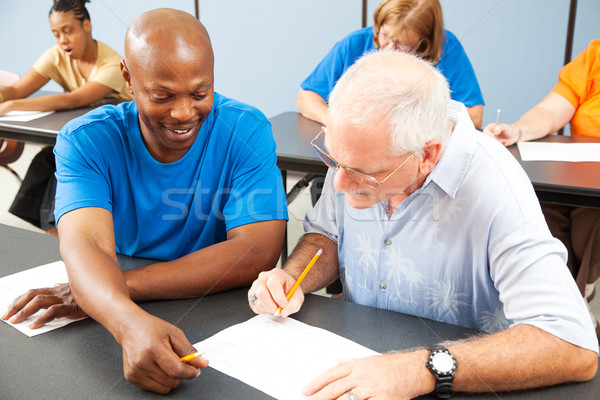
265,48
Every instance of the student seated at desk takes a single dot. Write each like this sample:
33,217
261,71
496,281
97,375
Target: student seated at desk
182,174
411,26
575,100
438,223
88,71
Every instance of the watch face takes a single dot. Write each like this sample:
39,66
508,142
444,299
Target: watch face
443,363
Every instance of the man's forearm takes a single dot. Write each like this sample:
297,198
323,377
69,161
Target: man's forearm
98,285
324,271
233,263
518,358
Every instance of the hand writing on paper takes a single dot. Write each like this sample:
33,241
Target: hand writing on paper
388,376
270,289
58,302
151,354
505,133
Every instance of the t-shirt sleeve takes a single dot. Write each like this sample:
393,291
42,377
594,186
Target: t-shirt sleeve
456,67
256,193
109,75
328,71
46,64
81,176
573,79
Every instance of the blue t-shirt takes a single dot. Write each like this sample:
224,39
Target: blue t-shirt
454,65
228,178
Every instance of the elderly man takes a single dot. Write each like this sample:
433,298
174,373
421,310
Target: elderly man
182,174
437,222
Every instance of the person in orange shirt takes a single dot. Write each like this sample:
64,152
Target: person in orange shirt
575,100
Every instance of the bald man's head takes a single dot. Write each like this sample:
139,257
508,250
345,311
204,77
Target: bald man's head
166,35
169,68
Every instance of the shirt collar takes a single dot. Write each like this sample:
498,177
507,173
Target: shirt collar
450,170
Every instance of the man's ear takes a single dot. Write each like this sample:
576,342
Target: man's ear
126,76
432,152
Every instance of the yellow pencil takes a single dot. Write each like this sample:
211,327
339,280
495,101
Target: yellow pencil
300,279
191,357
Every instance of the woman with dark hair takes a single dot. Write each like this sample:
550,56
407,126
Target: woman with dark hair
87,70
410,26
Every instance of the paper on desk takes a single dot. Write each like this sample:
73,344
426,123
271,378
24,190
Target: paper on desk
539,151
23,116
278,356
15,285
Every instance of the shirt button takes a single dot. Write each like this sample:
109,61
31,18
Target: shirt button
387,242
383,285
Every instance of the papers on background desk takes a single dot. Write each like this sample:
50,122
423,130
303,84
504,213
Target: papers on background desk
278,356
537,151
23,116
15,285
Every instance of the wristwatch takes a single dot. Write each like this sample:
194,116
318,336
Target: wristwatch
442,365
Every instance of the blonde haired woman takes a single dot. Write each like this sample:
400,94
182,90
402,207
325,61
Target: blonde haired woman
411,26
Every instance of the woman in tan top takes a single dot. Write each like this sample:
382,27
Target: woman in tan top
88,71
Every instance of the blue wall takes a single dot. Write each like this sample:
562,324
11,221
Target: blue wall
265,48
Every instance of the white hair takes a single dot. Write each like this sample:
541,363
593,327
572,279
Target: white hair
407,94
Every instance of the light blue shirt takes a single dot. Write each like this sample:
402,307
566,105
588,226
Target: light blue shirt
470,247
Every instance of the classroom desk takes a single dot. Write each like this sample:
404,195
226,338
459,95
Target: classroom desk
569,183
558,182
82,360
42,130
293,133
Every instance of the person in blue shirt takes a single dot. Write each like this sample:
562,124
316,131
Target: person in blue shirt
411,26
183,175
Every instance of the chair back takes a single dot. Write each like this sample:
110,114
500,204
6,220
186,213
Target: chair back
7,78
10,152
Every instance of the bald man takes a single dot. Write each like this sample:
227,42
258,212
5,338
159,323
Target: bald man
181,174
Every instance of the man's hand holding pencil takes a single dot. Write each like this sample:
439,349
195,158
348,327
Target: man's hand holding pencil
275,292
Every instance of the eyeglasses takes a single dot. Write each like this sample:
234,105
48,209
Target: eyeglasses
384,41
359,177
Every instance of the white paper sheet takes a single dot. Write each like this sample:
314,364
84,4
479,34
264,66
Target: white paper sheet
23,116
15,285
574,152
278,356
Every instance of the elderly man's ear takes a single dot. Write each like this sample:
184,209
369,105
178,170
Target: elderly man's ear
431,155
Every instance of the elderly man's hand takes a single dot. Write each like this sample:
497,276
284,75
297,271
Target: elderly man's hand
269,290
152,351
58,301
389,376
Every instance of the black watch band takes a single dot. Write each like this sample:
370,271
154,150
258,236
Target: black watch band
442,366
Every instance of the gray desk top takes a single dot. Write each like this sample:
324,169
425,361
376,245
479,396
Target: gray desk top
558,182
572,183
293,133
82,360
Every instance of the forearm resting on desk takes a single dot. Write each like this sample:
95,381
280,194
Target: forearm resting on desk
312,106
520,357
236,262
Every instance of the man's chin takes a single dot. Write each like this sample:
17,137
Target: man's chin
359,201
